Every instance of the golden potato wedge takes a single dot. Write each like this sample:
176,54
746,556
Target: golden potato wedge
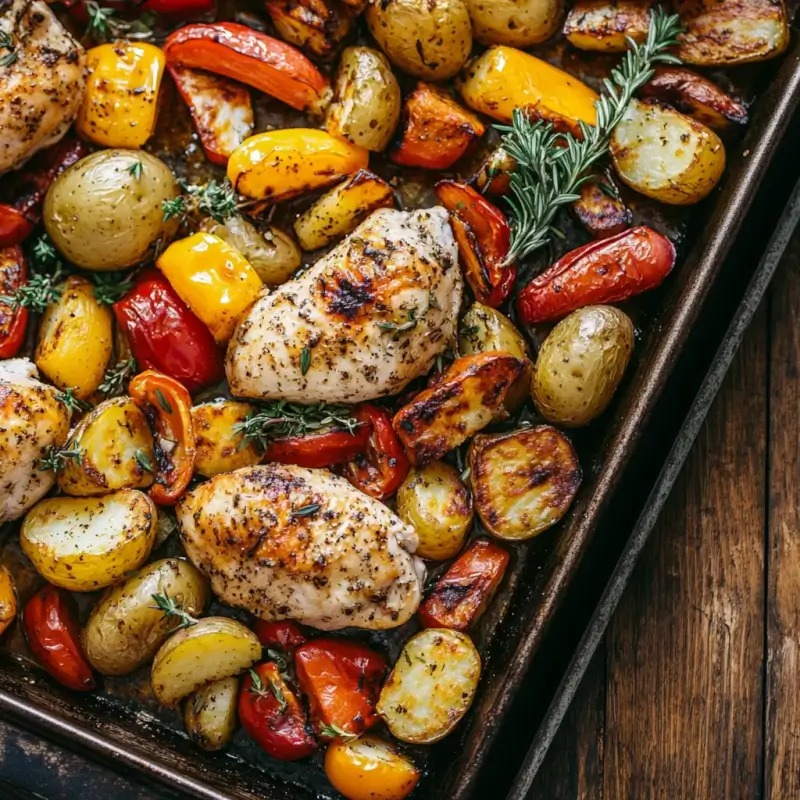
219,447
210,650
734,32
125,629
86,543
599,211
75,339
317,27
8,599
210,714
431,686
604,25
342,209
469,396
523,482
517,23
434,500
116,447
665,155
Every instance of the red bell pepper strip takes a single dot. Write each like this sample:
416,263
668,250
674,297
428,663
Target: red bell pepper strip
272,715
605,271
463,592
165,335
13,274
239,52
284,634
50,622
483,237
167,406
322,449
381,469
342,680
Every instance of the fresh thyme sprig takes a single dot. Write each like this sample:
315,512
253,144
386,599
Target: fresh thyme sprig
7,43
73,404
172,608
104,24
274,689
116,377
551,166
217,200
333,731
111,286
56,458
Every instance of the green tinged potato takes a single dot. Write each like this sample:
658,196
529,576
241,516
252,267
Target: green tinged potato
210,714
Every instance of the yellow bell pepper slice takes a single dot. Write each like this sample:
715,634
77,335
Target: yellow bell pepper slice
280,164
214,279
121,100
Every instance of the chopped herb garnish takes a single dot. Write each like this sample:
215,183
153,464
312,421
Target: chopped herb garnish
143,460
335,732
401,326
109,287
136,168
305,360
163,402
306,511
172,608
73,404
56,458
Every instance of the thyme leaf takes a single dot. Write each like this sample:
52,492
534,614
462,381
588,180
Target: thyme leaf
172,608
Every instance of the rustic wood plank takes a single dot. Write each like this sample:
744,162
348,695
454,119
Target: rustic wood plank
685,648
782,742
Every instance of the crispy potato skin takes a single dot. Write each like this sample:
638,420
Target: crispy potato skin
581,364
315,26
124,630
601,214
517,23
470,394
523,482
8,599
210,715
219,447
604,24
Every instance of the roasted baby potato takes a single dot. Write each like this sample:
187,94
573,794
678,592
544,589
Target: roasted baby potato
125,628
86,543
665,155
90,209
486,330
8,599
429,39
273,254
434,500
600,211
606,25
116,448
581,364
210,714
431,686
517,23
734,32
366,99
210,650
341,209
523,482
494,174
315,26
75,339
219,447
469,396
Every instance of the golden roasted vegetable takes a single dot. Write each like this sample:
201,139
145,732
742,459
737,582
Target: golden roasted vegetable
219,447
523,482
342,209
606,25
75,339
125,628
431,686
315,26
434,500
600,211
733,32
210,715
666,155
581,363
210,650
90,209
504,78
469,396
86,543
366,99
429,39
8,599
517,23
494,174
116,448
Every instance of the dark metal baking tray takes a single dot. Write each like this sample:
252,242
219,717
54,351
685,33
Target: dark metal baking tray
544,568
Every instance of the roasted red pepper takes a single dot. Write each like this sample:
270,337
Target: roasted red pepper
167,405
605,271
239,52
321,449
342,680
383,466
272,715
483,239
165,335
50,622
23,191
13,274
463,592
284,634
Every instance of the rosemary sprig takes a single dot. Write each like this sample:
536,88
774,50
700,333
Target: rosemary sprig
56,458
551,166
116,377
172,608
73,404
104,24
217,200
333,731
111,286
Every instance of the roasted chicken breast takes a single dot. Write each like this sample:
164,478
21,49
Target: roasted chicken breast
289,542
366,319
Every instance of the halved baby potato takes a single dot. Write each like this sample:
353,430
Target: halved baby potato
86,543
431,686
219,448
605,25
665,155
210,714
210,650
523,482
117,451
